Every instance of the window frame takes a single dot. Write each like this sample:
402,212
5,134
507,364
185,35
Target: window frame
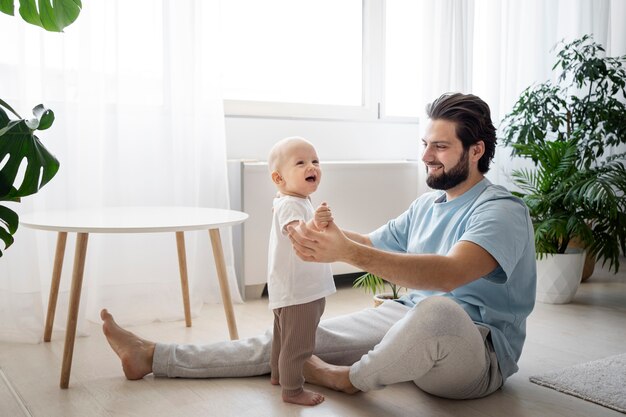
372,106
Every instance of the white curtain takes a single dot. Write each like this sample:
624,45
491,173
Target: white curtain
496,48
135,87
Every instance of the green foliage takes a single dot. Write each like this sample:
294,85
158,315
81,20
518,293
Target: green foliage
376,285
52,15
568,130
18,143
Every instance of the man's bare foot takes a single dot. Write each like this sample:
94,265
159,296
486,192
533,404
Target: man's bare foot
304,398
335,377
135,353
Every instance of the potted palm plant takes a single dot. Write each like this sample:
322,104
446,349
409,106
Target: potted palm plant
18,141
574,132
376,285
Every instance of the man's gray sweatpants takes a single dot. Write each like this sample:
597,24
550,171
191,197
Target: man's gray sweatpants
435,345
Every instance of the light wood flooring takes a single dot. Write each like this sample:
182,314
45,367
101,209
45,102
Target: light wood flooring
590,328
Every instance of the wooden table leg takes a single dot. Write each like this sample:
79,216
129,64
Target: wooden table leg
72,313
184,281
54,285
222,276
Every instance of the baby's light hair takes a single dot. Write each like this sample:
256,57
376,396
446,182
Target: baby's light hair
276,156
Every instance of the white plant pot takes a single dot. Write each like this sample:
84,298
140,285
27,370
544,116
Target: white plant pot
558,276
381,298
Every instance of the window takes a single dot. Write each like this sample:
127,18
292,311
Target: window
302,58
402,69
295,51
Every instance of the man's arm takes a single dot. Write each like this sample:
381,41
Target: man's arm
465,262
359,238
323,217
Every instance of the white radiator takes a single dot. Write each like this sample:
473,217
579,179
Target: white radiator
362,195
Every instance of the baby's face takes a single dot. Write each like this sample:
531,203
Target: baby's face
300,170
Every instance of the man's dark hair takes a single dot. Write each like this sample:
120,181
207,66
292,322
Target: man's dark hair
472,118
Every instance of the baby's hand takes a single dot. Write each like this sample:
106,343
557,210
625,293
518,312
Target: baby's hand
323,217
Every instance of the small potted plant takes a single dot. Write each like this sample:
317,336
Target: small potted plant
376,285
574,132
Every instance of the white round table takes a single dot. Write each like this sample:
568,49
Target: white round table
129,220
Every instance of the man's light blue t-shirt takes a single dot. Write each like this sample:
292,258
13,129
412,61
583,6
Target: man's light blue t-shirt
491,217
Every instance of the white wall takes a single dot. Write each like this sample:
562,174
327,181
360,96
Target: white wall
252,138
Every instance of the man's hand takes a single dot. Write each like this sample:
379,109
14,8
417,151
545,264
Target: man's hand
323,217
331,245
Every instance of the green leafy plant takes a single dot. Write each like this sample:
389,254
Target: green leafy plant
376,285
568,130
18,143
52,16
20,149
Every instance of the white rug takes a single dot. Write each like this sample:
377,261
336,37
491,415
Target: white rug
602,382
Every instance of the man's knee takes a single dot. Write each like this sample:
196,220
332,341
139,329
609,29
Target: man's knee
440,314
439,306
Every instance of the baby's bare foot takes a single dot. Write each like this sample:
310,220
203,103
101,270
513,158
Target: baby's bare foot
134,352
304,398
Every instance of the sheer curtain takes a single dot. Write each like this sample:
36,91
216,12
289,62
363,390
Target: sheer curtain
523,49
496,48
135,87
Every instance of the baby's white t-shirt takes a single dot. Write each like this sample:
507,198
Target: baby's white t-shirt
291,280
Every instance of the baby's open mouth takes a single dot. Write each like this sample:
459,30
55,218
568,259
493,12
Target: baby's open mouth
311,178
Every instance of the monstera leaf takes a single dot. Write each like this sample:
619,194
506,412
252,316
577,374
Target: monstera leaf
52,15
18,143
18,146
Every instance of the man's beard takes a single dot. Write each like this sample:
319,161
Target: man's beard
452,178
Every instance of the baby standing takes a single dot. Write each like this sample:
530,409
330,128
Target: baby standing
296,289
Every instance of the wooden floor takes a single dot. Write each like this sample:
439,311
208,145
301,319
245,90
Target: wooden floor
592,327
